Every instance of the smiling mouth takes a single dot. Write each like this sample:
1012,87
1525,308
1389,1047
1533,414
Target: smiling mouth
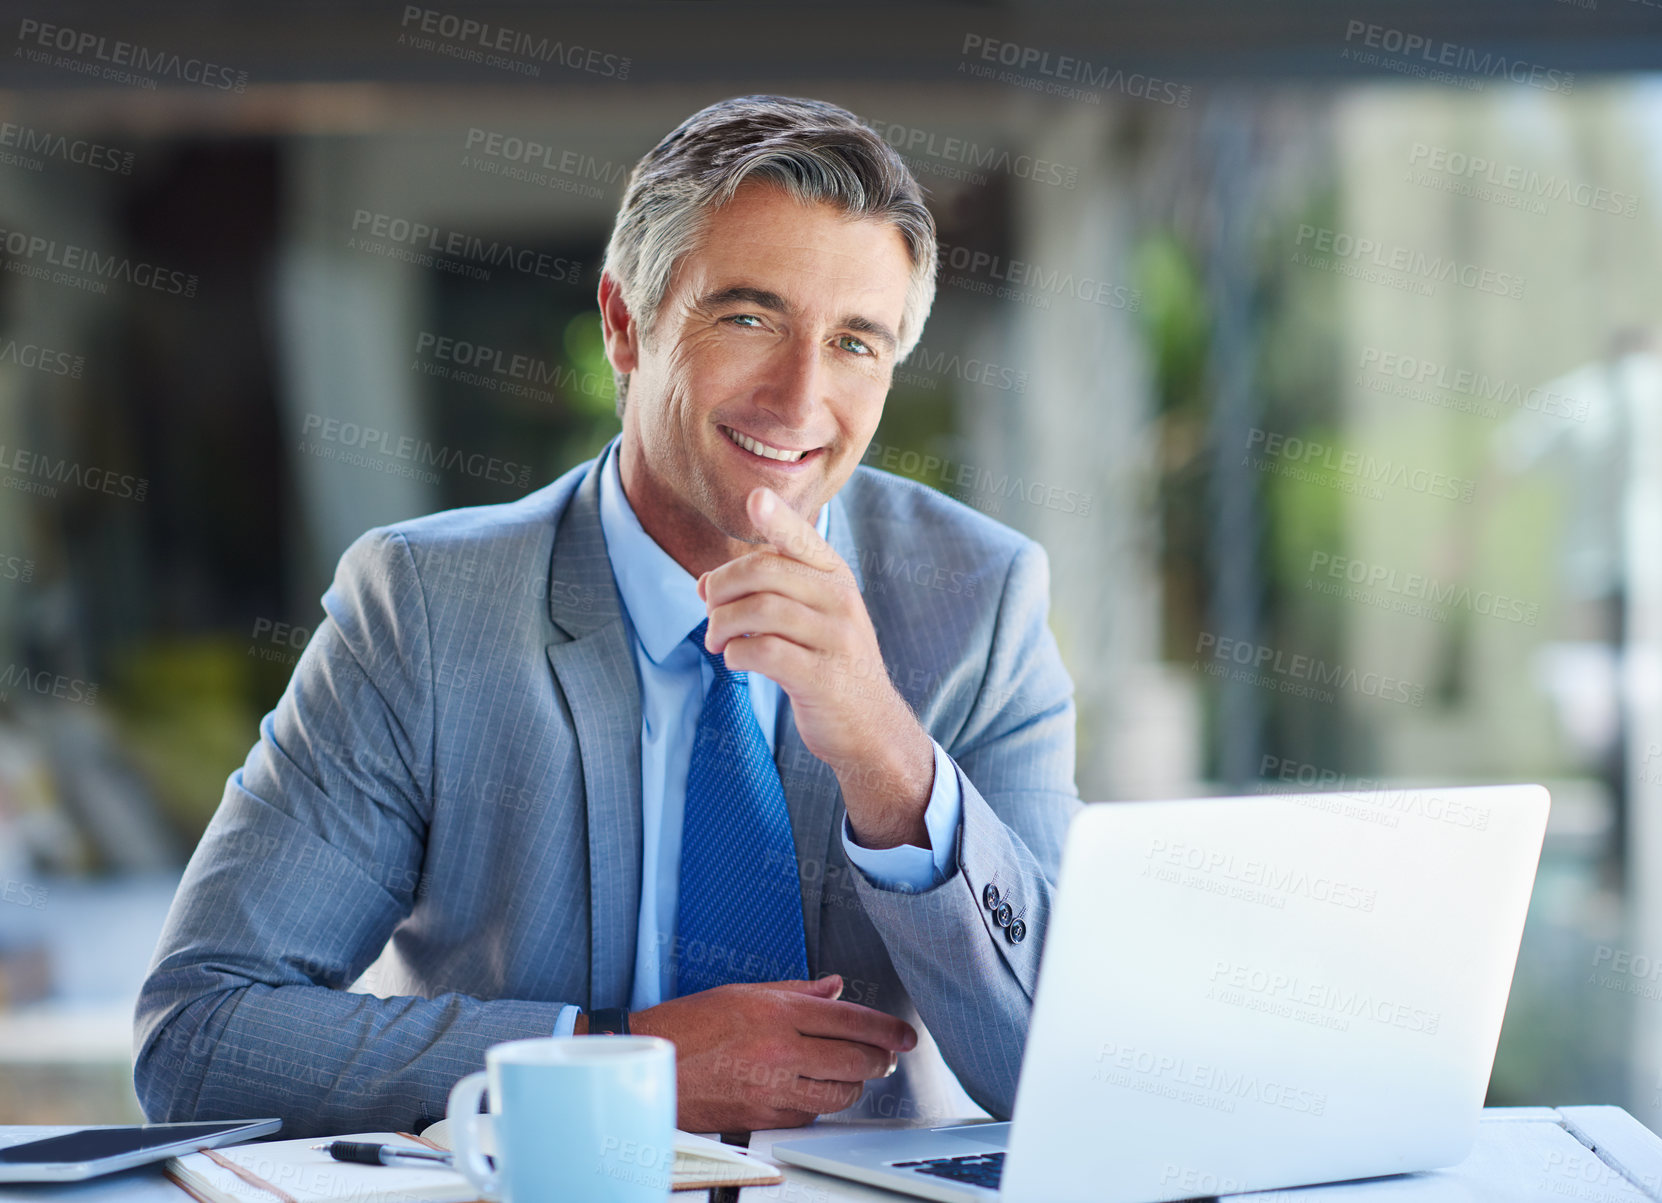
758,448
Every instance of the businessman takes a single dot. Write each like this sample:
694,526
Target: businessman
719,737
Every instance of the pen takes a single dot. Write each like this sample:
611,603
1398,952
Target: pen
370,1154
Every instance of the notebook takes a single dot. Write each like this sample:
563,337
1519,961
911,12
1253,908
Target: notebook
292,1171
700,1163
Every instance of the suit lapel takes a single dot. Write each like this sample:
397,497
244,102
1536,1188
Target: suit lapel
812,794
596,674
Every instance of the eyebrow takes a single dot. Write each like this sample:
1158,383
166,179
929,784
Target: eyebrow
762,298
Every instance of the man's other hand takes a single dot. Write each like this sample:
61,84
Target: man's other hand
760,1055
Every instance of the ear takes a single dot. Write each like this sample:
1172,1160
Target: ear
617,326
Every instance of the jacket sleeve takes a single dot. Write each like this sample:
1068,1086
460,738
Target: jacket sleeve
311,860
971,983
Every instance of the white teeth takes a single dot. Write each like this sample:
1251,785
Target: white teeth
762,449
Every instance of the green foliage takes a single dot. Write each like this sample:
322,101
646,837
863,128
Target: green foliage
186,718
1175,317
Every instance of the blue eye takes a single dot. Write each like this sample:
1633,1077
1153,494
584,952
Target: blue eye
858,347
745,317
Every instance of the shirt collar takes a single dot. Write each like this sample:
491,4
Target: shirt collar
659,596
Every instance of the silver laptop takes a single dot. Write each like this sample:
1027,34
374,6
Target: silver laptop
1241,994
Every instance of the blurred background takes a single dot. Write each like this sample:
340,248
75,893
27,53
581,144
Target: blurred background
1317,343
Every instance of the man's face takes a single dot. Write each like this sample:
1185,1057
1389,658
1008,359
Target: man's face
778,329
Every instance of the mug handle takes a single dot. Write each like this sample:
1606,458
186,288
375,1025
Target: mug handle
463,1110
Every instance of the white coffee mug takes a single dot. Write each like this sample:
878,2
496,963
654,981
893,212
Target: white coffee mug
575,1117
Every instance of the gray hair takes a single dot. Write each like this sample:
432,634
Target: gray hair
814,150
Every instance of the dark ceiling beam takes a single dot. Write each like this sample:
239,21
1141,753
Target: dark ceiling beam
713,41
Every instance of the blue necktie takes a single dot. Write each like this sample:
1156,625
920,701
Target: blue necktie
740,906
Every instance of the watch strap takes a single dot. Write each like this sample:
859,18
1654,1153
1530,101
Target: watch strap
609,1021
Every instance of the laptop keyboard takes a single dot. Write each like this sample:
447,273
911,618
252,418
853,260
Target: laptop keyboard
977,1169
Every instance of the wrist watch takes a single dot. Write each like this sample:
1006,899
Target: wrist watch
608,1021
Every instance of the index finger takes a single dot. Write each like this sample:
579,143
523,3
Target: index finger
838,1020
788,532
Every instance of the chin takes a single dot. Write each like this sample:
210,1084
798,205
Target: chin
726,512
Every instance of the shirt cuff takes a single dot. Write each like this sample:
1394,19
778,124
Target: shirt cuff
908,867
566,1024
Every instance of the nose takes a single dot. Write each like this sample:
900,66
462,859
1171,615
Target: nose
796,379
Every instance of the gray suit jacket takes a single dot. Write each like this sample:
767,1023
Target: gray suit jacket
451,782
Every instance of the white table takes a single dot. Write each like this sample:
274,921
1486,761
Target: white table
1523,1155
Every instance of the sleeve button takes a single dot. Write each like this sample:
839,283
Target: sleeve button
1004,914
990,896
1017,931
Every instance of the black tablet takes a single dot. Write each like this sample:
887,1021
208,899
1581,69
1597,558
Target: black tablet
89,1152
